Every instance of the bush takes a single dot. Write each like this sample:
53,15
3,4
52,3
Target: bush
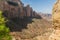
4,31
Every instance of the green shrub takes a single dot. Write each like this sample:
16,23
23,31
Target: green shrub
4,31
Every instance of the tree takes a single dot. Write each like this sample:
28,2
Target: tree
4,31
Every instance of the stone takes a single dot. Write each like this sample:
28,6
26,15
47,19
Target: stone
56,22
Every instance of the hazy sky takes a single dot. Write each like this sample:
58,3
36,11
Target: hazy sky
44,6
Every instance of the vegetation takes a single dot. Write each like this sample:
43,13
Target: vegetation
4,31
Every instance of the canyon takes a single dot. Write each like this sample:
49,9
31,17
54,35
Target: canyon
25,23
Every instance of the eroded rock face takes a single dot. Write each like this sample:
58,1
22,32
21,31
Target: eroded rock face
56,22
13,7
56,14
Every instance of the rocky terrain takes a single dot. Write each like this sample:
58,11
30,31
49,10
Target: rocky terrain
24,23
39,29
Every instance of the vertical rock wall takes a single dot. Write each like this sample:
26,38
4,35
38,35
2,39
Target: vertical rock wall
16,8
56,15
55,35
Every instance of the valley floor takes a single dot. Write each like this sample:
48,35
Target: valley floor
38,29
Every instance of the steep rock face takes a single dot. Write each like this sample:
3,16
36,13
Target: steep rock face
13,7
29,11
56,22
56,14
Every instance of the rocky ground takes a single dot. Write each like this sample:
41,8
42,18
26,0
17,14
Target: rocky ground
39,29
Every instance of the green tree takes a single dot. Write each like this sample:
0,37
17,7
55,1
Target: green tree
4,31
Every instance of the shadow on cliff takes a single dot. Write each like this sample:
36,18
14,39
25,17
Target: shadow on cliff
17,24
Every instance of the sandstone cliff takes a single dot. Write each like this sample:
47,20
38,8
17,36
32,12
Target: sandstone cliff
56,22
15,8
56,14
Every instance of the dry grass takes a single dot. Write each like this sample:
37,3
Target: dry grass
39,27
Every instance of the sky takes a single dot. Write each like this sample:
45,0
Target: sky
44,6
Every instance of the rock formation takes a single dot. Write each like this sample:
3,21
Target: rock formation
56,14
28,10
56,22
15,8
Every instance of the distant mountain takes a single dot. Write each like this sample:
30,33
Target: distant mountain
47,17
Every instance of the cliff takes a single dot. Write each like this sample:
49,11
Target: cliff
15,8
12,8
56,21
56,14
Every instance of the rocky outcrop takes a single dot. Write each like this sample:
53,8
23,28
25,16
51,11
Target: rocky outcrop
28,10
56,22
15,8
56,14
